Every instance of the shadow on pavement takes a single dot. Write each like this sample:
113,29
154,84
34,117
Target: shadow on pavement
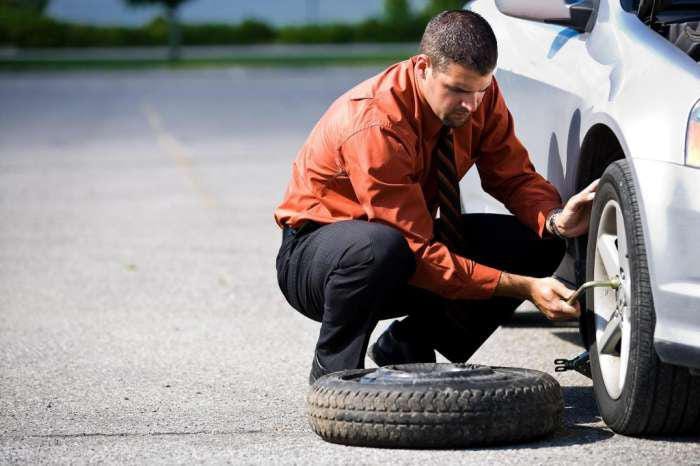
582,423
534,318
569,335
580,410
579,406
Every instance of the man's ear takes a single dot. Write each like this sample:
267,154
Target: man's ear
423,65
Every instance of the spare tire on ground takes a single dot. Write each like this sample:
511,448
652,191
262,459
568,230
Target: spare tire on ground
434,406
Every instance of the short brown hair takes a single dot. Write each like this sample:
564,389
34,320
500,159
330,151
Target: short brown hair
461,37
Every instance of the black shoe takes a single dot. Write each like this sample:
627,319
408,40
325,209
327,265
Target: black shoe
394,347
317,370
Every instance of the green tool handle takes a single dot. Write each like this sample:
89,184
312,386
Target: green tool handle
614,284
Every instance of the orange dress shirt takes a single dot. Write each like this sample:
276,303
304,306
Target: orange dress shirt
369,158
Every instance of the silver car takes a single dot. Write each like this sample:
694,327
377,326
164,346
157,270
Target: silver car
610,89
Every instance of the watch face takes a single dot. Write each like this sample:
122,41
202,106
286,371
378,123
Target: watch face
551,223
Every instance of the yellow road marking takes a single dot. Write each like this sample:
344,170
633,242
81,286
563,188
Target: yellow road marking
178,152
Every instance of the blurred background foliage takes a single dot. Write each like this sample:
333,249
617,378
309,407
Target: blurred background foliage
24,24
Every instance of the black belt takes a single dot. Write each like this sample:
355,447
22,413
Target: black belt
305,228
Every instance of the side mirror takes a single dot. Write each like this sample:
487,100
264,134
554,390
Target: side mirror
579,15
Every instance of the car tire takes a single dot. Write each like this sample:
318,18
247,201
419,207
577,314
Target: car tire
434,405
636,393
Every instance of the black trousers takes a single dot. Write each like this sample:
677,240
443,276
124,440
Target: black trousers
351,274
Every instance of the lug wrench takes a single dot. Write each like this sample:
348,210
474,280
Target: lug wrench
614,283
581,362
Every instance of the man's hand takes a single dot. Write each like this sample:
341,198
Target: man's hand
548,294
573,220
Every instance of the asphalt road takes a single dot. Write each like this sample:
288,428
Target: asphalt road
140,320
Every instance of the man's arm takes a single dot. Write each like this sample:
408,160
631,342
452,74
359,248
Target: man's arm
508,174
506,171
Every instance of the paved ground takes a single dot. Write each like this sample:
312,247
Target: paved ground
140,320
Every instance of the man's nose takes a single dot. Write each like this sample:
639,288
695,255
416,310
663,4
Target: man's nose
471,103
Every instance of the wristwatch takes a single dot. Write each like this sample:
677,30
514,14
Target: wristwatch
552,223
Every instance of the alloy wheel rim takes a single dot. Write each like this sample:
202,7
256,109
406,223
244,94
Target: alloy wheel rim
612,307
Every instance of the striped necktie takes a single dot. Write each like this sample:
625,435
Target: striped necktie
450,227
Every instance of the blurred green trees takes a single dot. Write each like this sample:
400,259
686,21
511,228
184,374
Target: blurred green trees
23,25
436,6
31,6
171,10
397,11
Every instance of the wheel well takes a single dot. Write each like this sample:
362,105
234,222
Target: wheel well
600,148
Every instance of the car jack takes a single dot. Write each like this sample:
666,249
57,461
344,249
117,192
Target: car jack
581,363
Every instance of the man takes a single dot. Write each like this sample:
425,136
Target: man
361,241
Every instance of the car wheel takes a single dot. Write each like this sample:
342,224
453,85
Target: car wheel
433,405
636,393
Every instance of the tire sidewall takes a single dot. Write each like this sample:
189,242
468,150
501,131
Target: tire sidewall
615,186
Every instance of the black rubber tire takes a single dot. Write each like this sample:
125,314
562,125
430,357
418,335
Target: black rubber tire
656,398
434,406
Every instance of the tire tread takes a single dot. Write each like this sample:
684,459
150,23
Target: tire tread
442,416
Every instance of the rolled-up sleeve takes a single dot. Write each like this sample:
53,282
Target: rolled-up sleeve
382,171
506,171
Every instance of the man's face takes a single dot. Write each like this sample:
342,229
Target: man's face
453,93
